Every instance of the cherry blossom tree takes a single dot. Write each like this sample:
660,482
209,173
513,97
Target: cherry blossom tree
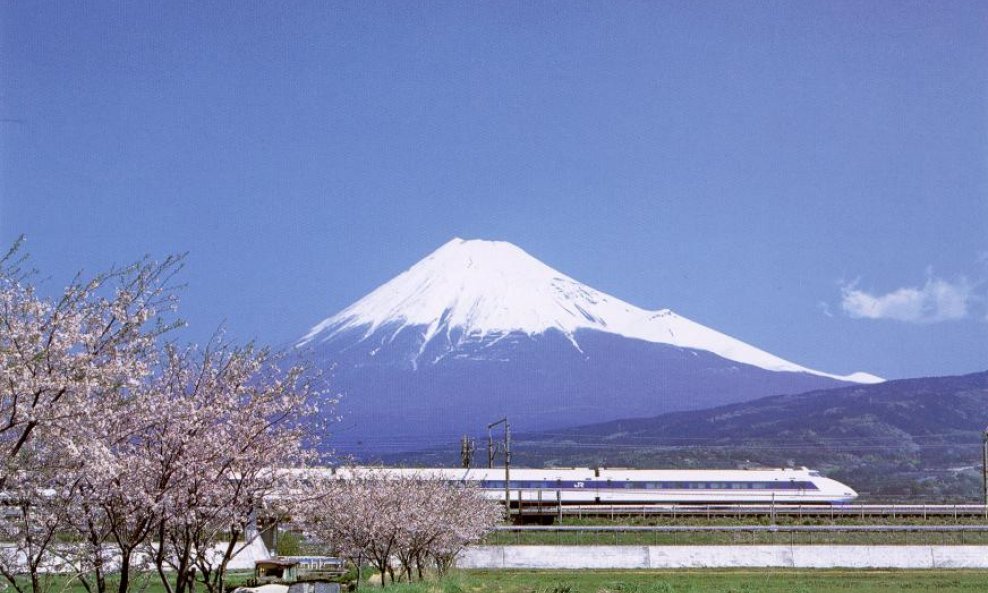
145,455
405,518
65,365
33,522
235,444
60,358
466,517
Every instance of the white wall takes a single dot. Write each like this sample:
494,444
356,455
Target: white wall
724,556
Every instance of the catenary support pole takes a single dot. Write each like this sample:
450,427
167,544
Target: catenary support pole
507,461
984,472
507,468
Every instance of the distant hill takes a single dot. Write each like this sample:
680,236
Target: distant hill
905,438
912,439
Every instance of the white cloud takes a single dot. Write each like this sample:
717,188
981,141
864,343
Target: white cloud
937,300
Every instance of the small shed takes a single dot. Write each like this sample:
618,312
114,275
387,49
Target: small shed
275,570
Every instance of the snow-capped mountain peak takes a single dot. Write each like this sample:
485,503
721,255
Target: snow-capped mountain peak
490,288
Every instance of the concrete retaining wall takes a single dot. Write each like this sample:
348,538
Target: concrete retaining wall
643,557
243,560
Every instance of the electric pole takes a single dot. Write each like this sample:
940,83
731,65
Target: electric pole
507,468
467,447
984,471
490,448
507,460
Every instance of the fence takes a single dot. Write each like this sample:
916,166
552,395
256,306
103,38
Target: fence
678,535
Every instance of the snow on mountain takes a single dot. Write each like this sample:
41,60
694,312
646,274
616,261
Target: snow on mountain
472,290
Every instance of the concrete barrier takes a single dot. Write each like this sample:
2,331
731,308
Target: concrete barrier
656,557
243,560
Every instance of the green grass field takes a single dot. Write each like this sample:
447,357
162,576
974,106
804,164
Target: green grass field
147,582
706,581
671,581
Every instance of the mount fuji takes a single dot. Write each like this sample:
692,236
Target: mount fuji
479,330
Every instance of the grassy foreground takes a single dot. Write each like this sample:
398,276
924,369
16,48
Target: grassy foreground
705,581
143,582
666,581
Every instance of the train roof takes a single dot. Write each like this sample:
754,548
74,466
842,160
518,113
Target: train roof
586,473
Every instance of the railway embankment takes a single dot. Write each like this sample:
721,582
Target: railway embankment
723,556
737,535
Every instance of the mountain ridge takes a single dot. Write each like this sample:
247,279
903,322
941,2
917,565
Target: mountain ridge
746,416
918,437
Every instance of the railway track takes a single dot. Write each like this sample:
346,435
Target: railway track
742,534
753,510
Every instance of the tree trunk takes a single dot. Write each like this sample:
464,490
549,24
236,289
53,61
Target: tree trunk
159,565
124,586
98,570
383,568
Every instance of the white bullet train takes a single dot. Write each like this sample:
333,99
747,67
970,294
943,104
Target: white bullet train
639,486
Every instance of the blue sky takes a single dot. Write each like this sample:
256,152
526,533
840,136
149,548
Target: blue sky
809,177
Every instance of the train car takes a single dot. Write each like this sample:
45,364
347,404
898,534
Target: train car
721,486
634,486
